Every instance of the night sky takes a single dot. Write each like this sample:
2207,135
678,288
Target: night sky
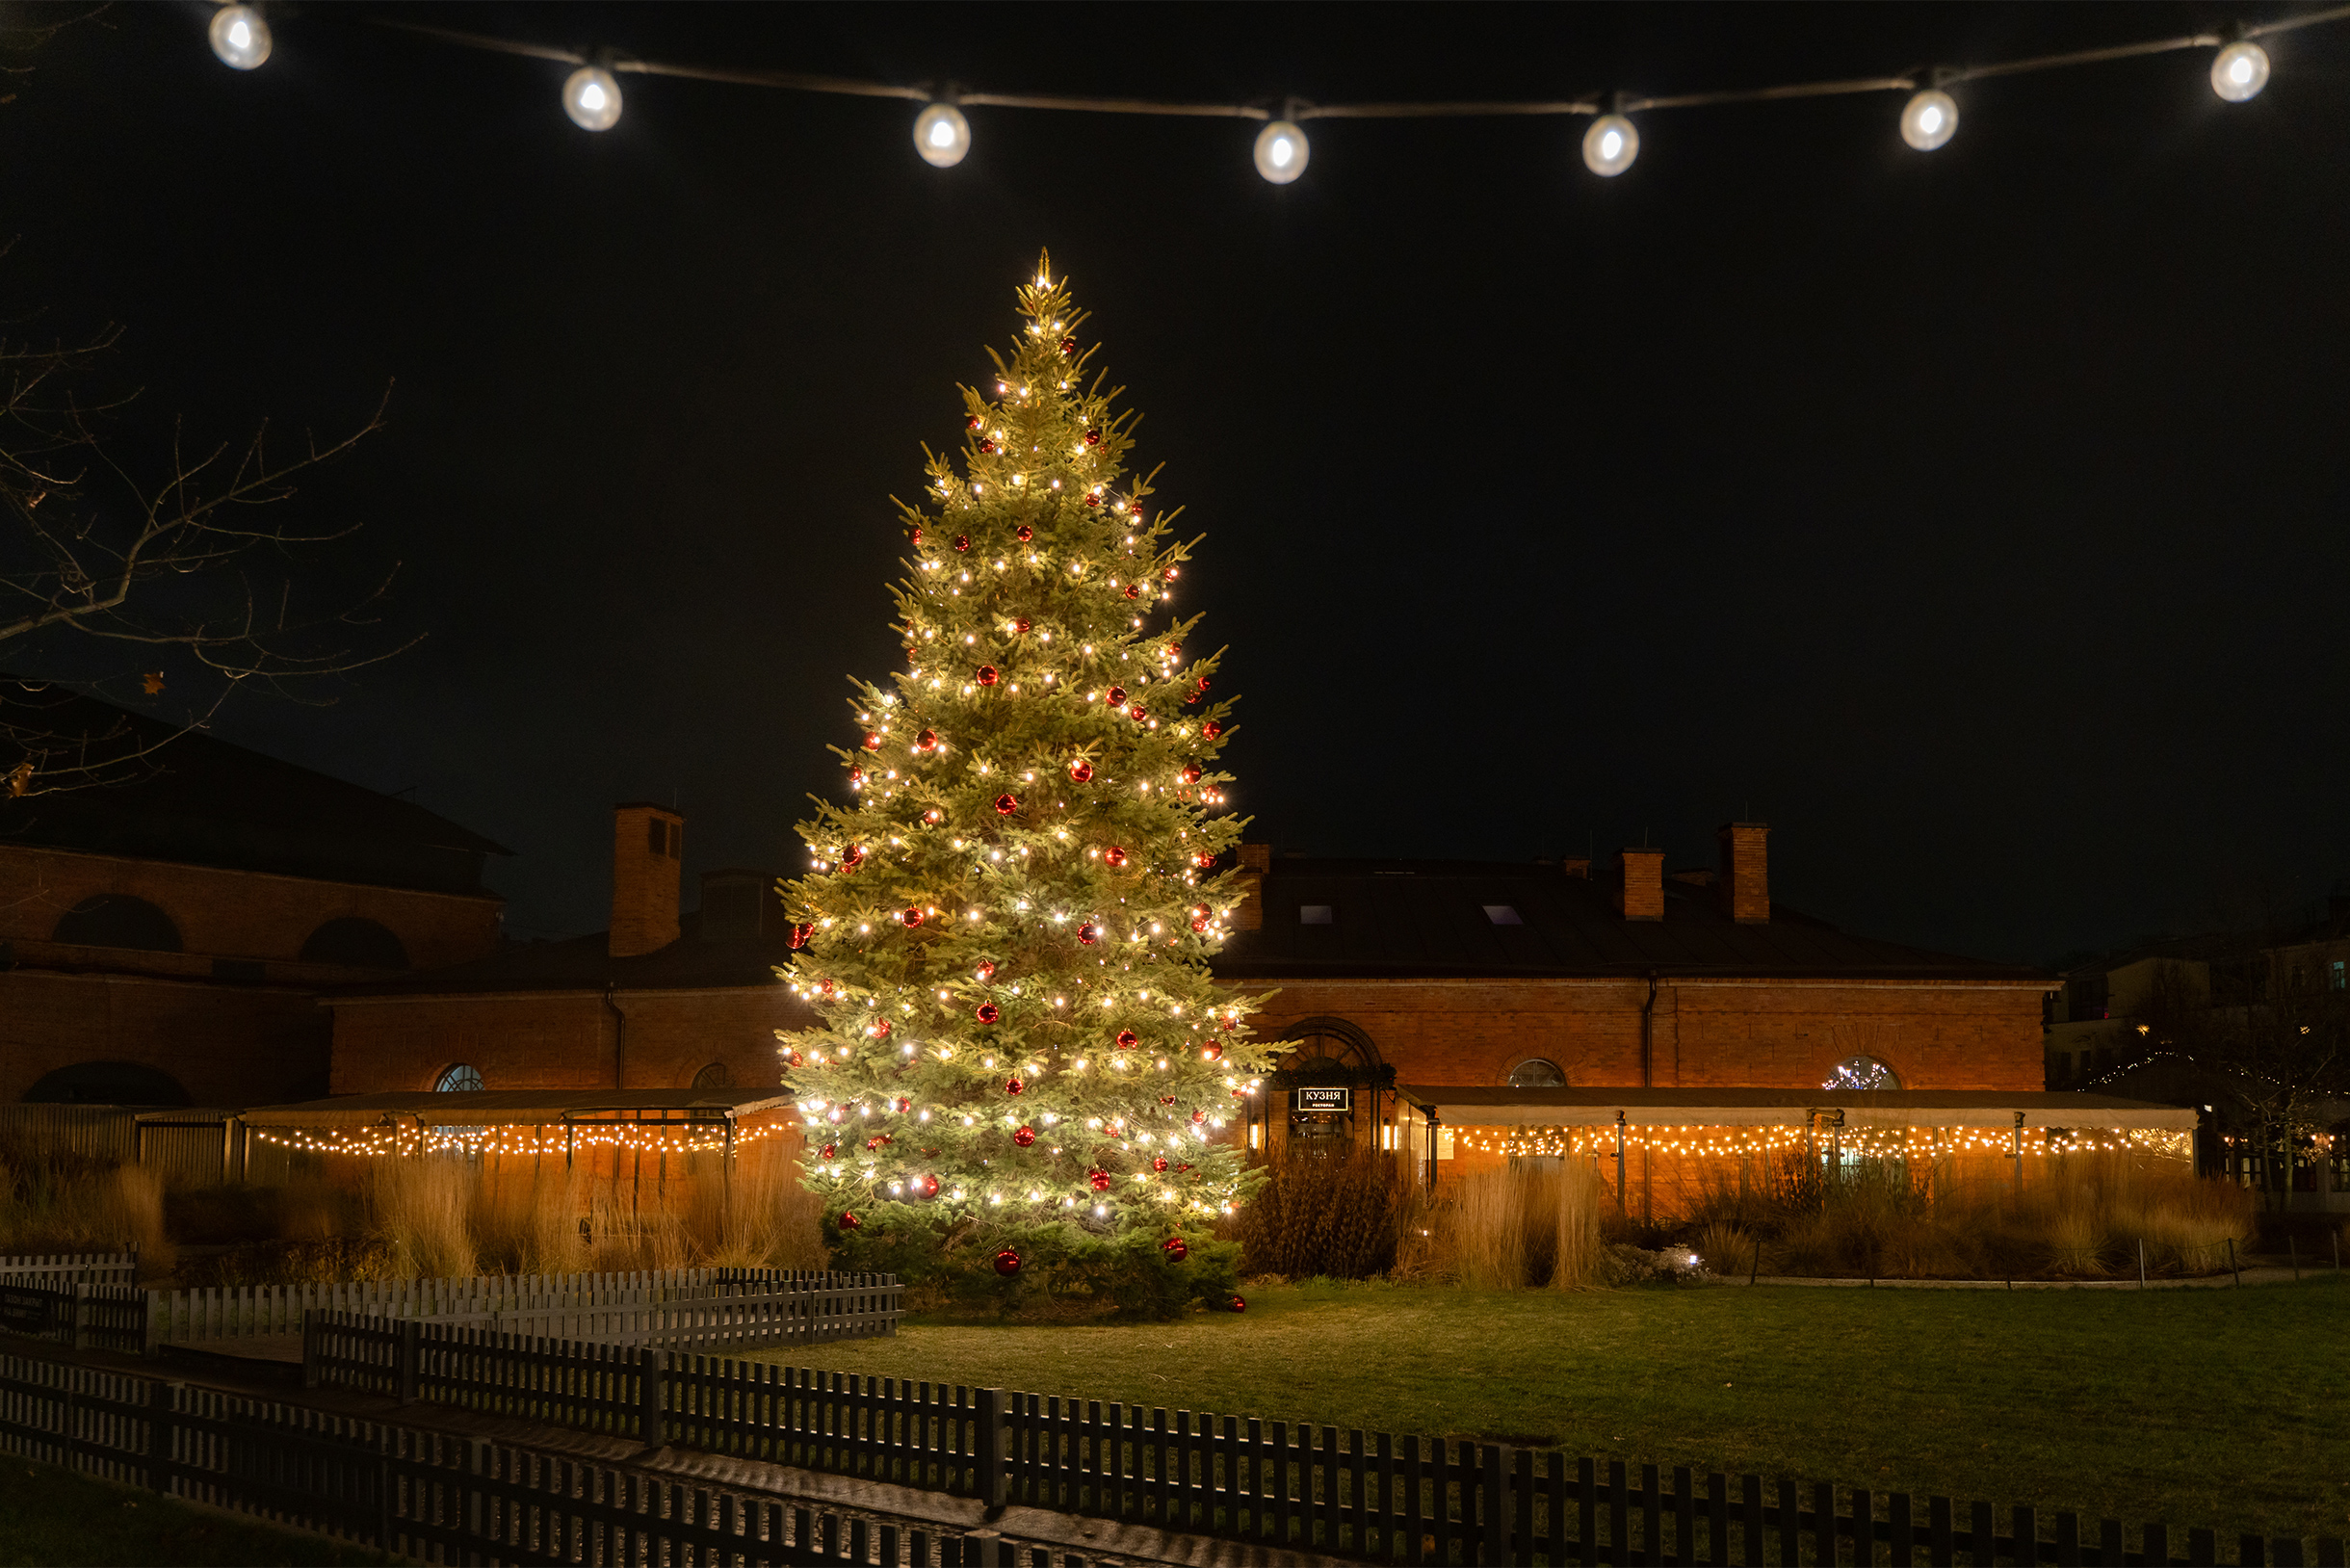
1976,518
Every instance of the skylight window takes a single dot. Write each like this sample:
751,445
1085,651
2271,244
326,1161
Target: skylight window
1503,914
1314,914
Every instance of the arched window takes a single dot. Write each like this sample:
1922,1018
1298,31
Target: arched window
360,943
115,920
1534,1073
461,1079
107,1083
1862,1073
713,1076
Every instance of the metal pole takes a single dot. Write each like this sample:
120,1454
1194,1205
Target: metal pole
1619,1161
2232,1264
2141,1263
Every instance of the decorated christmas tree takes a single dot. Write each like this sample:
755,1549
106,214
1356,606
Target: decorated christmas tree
1024,1067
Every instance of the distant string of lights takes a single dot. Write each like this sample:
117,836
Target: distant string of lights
1929,119
1719,1143
382,1142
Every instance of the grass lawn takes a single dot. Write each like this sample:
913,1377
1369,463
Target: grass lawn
49,1515
2228,1408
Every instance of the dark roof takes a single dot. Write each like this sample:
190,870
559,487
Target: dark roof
581,964
1734,1104
1415,919
499,1107
200,800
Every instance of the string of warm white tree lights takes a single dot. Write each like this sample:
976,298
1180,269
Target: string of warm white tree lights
584,1137
1869,1142
942,136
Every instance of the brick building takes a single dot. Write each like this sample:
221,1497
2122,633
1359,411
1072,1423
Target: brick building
164,937
661,1000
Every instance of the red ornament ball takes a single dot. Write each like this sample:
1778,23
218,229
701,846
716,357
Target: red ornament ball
1199,1115
1137,713
1237,1304
792,1058
1158,1163
1006,804
1116,697
972,424
1068,345
929,1187
1211,1052
873,741
1128,1039
1092,500
1014,1086
916,537
879,1029
1021,625
1134,590
1024,534
1167,576
856,775
854,858
1098,1180
1203,861
927,740
987,446
1211,730
1082,770
1114,857
986,675
802,932
1025,1137
986,1013
1088,935
825,986
962,541
987,971
912,917
1008,1264
831,1149
1199,923
1174,651
1093,439
1191,771
1228,1023
850,1222
1175,1247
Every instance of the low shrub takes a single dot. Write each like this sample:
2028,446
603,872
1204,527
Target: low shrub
1334,1216
292,1263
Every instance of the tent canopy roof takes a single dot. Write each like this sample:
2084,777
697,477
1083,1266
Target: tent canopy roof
511,1108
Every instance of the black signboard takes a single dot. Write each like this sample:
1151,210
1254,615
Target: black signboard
1322,1099
24,1310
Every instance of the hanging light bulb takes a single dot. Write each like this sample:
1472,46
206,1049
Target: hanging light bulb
1929,120
1611,145
242,39
942,136
592,98
1282,153
2237,72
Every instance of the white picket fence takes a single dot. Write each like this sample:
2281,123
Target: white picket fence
63,1270
243,1311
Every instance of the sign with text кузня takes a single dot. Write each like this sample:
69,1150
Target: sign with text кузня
1322,1099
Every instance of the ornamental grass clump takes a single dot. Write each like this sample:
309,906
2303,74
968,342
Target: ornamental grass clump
1336,1217
1525,1225
422,1206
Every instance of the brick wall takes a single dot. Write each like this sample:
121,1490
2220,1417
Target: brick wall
227,1045
563,1041
239,914
1757,1033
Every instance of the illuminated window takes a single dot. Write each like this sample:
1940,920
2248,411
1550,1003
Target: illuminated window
1862,1073
2334,975
461,1079
1534,1073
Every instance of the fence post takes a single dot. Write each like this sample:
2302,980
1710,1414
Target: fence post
1493,1532
73,1333
988,1459
411,1358
163,1411
652,1366
310,1326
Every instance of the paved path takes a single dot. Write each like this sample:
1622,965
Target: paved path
2260,1274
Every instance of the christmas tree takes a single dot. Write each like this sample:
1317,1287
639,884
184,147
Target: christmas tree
1024,1065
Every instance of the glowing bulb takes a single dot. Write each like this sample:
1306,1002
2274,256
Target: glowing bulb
1929,120
1611,145
242,39
1282,153
942,136
592,98
2237,72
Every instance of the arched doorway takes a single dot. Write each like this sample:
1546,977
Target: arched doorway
1330,1095
107,1083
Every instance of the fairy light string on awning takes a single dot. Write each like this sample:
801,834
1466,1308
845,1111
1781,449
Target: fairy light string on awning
523,1139
592,97
1863,1142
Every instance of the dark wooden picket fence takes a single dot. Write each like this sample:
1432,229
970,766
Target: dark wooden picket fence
88,1317
1411,1499
434,1497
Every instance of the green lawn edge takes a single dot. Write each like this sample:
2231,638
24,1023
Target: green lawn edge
54,1516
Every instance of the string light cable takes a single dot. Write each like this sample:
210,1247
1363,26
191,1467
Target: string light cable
592,97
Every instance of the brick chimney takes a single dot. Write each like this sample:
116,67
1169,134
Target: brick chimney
1577,866
1256,859
648,845
1745,880
1640,885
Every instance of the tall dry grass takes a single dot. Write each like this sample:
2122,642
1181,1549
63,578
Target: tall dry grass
55,1201
1336,1217
772,1220
424,1207
1527,1224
